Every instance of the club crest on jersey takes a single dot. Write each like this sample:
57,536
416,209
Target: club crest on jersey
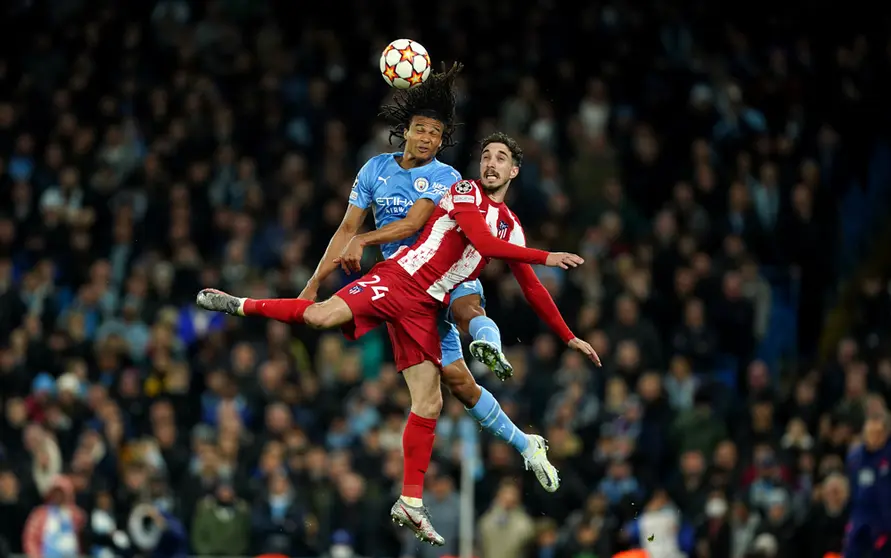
463,187
356,290
502,230
421,184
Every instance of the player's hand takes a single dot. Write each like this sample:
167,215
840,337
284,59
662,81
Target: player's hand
564,260
350,258
586,349
310,291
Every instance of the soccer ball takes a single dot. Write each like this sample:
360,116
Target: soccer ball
405,64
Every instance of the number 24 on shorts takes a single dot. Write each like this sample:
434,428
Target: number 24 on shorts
379,291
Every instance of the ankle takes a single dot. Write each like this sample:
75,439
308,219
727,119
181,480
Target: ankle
412,502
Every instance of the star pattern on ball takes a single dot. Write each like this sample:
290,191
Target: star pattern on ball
415,78
407,53
390,72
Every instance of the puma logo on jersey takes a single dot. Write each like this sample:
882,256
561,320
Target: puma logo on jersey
384,180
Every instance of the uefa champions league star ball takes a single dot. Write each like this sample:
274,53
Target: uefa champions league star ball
405,64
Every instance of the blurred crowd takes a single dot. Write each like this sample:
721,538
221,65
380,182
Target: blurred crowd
694,156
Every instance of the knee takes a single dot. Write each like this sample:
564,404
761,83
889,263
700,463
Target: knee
466,309
427,404
318,317
461,384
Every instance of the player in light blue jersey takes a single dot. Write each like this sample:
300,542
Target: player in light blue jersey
402,189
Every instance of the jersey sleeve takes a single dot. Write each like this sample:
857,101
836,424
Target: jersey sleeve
361,194
462,196
442,181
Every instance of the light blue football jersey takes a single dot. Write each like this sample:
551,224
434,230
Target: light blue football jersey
390,190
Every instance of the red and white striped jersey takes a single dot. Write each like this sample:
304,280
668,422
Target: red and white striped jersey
442,257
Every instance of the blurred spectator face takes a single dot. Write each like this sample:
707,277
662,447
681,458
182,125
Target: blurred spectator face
694,316
352,488
272,375
443,487
738,197
616,393
758,376
279,485
702,265
626,311
9,487
875,431
16,412
684,282
732,285
272,458
628,355
847,351
619,470
679,368
243,359
650,387
508,496
855,382
805,393
278,419
225,495
692,464
725,456
544,347
835,493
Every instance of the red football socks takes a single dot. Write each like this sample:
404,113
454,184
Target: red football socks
288,310
417,447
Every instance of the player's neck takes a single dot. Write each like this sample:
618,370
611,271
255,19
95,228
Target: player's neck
498,195
407,161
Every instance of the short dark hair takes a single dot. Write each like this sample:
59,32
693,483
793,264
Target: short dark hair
516,152
435,98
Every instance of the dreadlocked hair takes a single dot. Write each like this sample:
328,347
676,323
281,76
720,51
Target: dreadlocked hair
435,98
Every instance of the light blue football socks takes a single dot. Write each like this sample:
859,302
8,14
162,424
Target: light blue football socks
488,413
482,328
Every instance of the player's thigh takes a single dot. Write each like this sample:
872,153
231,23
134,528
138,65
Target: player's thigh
423,385
330,313
371,301
466,303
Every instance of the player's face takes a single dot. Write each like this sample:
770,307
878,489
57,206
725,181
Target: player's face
423,137
497,167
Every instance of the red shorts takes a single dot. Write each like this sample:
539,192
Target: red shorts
388,294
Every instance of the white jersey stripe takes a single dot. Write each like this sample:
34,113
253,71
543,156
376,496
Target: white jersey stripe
415,258
457,274
517,236
464,267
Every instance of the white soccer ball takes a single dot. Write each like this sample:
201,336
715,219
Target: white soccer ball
405,64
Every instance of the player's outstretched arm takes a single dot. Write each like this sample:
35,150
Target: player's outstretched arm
348,228
489,246
540,300
351,257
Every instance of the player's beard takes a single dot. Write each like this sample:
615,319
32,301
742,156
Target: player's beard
493,187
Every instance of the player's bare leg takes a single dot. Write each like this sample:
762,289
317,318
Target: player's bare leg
417,445
471,319
331,313
483,407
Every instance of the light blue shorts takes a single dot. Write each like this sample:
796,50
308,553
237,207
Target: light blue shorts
448,331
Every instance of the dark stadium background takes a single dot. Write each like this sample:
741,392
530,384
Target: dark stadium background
724,167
